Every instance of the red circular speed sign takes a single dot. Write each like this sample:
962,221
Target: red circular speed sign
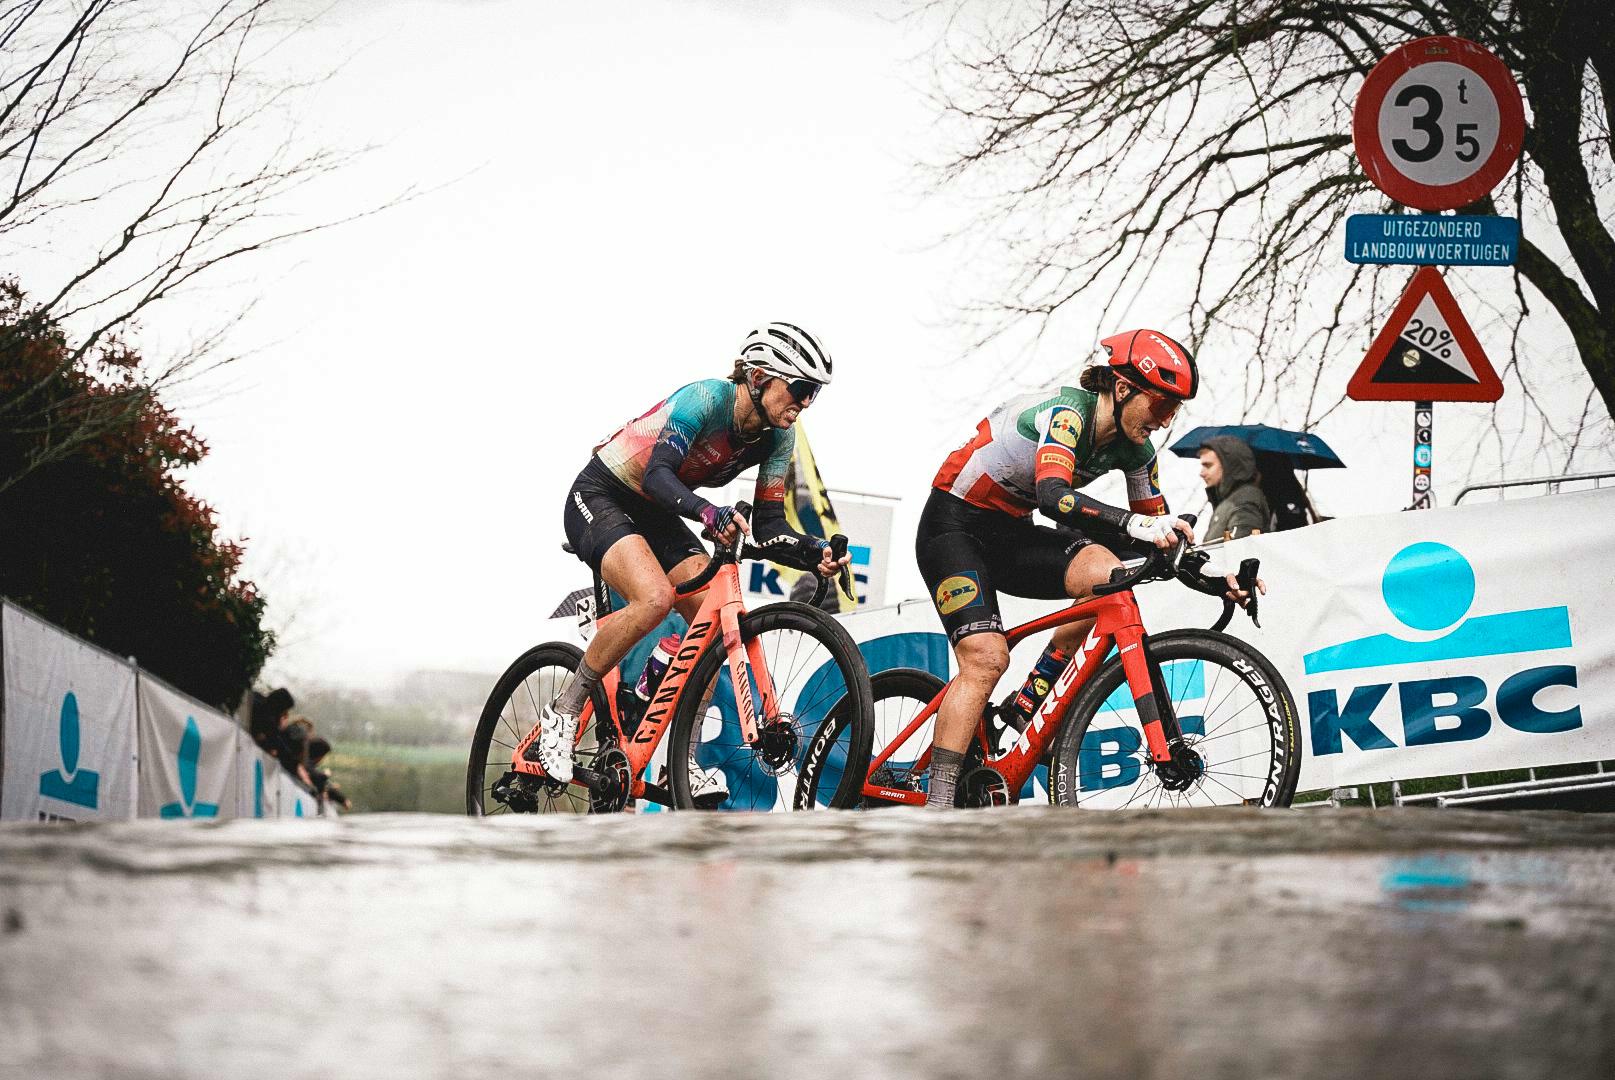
1438,123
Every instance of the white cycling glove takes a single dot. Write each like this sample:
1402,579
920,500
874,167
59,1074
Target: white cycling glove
1149,529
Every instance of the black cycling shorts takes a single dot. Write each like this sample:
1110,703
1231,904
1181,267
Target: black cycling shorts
600,510
967,553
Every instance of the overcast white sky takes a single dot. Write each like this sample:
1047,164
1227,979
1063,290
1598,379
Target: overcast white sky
621,189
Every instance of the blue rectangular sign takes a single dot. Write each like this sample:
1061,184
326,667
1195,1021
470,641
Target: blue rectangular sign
1432,239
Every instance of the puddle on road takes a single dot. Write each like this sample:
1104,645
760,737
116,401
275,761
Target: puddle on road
1216,943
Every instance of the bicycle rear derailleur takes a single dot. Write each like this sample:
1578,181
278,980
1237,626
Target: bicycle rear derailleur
520,791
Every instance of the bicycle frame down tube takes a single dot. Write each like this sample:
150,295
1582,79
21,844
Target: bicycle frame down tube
1117,621
738,654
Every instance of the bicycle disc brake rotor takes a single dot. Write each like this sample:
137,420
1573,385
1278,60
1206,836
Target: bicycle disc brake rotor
777,743
983,786
616,782
1183,771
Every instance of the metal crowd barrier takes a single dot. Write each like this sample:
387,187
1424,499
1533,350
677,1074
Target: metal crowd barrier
1552,483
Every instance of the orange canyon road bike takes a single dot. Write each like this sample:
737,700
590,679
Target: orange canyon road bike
738,695
1185,718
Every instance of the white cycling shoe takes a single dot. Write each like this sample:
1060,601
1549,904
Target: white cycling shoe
557,735
708,787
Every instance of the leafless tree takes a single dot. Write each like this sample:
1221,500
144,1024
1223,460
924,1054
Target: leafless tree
1111,139
132,163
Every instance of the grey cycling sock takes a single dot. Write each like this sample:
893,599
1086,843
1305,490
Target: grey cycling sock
578,690
944,776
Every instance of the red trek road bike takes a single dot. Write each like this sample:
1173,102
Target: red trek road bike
724,697
1190,717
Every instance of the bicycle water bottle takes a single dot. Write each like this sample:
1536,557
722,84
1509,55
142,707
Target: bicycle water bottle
1017,710
656,667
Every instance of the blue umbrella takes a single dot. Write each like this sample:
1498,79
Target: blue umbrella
1303,449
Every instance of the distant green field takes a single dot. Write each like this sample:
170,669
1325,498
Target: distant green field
377,777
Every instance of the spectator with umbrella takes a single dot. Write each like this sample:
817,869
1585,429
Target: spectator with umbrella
1274,455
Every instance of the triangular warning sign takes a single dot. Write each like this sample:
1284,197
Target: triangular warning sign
1427,352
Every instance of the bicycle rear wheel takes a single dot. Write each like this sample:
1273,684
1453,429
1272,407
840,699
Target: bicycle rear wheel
898,694
512,710
816,670
1237,717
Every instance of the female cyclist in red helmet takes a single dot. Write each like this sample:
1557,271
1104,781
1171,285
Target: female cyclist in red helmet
977,537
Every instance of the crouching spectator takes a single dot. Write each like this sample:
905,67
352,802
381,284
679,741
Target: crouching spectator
269,712
324,786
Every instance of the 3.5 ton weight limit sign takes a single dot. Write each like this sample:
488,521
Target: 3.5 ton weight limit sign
1438,123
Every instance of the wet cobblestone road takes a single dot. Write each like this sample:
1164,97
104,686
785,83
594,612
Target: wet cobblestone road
1358,944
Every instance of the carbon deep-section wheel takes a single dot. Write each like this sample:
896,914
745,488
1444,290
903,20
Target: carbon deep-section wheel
816,669
1241,740
533,681
899,694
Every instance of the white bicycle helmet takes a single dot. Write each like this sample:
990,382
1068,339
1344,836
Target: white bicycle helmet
787,352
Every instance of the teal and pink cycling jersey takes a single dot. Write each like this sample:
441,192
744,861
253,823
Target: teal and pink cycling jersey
696,425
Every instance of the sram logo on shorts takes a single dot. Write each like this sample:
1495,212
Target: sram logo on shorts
958,592
1065,427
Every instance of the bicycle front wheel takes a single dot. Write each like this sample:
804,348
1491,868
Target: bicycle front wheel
491,787
816,669
1237,716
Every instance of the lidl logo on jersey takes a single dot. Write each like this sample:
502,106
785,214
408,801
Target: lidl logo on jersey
1507,667
1065,427
958,592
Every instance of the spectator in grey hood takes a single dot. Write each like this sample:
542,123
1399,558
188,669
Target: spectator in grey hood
1238,507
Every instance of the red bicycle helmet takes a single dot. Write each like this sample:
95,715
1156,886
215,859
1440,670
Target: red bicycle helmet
1150,359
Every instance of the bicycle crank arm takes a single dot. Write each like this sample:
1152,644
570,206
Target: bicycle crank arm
589,779
658,794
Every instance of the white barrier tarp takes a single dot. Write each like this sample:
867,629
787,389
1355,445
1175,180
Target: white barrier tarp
187,756
257,794
70,749
1444,641
294,799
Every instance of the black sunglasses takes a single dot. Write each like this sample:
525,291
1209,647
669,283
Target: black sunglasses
803,391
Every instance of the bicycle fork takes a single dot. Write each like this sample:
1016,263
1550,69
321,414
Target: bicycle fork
765,705
1174,761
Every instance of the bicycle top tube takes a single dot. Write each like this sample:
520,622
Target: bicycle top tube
1113,611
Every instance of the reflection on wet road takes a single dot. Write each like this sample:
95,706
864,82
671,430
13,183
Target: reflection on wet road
1041,942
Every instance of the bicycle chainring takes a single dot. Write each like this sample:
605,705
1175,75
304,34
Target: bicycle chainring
983,786
611,764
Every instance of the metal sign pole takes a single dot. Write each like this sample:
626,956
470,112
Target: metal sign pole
1423,497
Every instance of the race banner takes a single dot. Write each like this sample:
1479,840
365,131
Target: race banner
294,799
808,508
1419,644
188,756
1456,640
69,716
257,794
